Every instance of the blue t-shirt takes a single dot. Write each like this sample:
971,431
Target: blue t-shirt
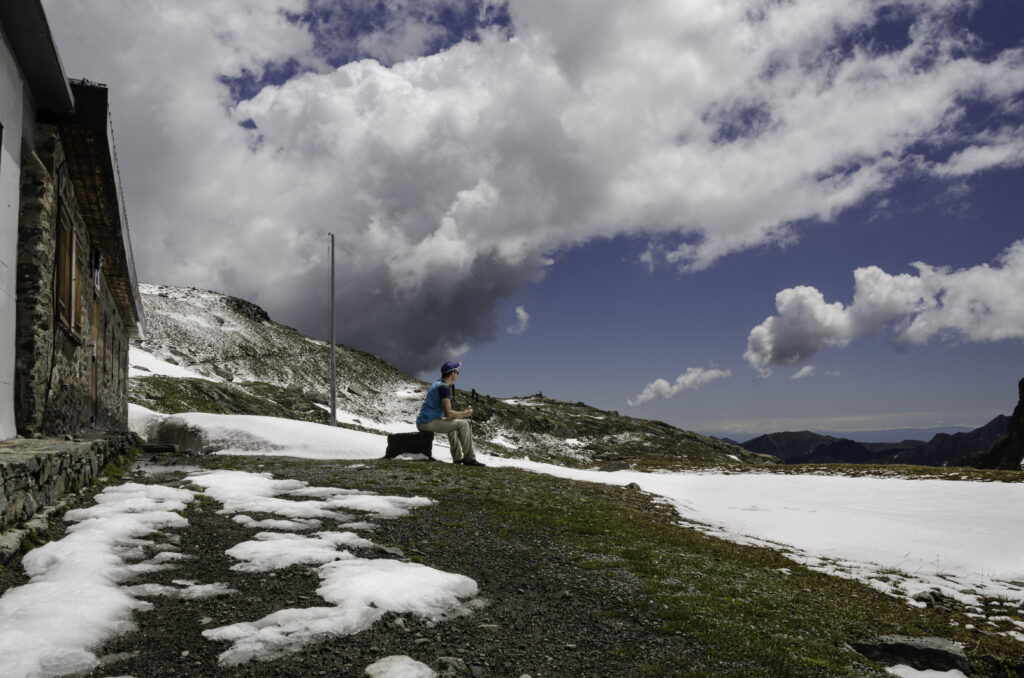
432,408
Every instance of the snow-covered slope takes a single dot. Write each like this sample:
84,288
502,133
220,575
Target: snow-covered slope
208,352
228,341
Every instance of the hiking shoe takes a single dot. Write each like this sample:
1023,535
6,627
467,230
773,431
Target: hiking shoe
472,462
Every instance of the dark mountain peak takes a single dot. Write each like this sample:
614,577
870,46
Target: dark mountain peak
787,444
844,451
1008,451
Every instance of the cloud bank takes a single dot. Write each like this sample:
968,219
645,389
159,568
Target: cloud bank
452,160
982,303
691,380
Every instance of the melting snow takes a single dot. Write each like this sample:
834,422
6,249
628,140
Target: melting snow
73,602
865,528
399,666
144,364
899,535
80,594
361,590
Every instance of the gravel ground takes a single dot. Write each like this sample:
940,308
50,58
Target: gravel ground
543,614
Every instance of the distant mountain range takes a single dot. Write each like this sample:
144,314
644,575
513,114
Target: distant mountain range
943,449
889,435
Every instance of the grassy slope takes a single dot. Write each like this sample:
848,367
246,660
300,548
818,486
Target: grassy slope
738,610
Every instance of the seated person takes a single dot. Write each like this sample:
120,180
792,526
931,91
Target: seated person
437,416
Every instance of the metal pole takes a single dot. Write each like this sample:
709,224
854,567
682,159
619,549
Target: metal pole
334,390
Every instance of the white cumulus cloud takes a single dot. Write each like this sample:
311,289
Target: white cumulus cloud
981,303
804,372
450,178
691,380
522,321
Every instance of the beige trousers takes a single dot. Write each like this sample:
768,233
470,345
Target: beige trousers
460,437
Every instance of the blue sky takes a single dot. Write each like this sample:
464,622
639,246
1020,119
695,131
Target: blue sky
706,212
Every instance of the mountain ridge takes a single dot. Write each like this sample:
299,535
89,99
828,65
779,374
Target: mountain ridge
807,447
211,352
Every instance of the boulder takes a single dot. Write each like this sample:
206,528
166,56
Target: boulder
175,432
924,654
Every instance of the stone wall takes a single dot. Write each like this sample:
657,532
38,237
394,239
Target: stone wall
40,473
69,376
36,252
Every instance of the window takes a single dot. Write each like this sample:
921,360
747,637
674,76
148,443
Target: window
101,350
76,290
69,274
65,259
97,267
108,366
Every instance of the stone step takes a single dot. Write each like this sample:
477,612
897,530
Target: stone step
38,473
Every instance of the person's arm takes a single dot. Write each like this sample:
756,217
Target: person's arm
449,413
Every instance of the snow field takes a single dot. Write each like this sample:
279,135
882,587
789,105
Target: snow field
902,536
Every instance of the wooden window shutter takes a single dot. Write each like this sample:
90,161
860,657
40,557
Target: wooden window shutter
64,259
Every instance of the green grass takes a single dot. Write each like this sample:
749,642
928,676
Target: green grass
748,616
118,465
746,611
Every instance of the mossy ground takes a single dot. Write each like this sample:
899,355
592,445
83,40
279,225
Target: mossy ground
742,610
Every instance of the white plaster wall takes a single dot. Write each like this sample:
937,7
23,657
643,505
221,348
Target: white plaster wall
12,94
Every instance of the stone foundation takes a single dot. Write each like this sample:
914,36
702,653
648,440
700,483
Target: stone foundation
38,474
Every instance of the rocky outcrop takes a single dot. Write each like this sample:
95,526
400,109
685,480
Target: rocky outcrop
923,654
1008,453
948,449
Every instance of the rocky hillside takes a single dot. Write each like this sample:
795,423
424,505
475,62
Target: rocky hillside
1008,453
950,449
208,352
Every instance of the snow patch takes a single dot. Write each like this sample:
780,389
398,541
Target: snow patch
361,591
144,364
233,434
241,491
399,666
274,551
72,602
909,672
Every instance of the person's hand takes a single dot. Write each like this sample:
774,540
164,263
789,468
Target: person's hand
469,411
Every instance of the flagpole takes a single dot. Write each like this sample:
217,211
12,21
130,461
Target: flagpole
334,390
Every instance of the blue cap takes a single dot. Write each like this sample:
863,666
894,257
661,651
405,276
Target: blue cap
449,367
